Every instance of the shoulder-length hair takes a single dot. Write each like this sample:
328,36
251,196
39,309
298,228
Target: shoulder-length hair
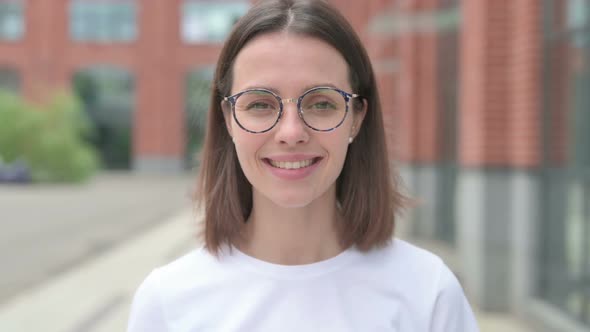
366,188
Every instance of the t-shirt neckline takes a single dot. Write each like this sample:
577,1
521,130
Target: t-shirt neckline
293,272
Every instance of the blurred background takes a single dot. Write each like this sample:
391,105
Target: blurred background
102,111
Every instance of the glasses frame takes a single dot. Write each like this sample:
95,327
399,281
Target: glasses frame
347,97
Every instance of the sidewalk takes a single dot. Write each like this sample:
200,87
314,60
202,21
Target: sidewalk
96,296
49,228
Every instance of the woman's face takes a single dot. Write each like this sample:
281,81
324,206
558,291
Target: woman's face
291,165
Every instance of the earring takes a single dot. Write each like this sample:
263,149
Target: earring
233,139
350,140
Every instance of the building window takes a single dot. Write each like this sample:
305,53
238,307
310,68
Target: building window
103,21
108,96
565,246
12,26
209,21
197,91
9,80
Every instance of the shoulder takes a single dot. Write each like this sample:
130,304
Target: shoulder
422,263
436,294
410,251
405,269
176,275
421,267
452,310
147,313
160,293
437,290
405,257
188,270
190,262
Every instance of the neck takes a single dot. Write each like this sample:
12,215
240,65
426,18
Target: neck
292,236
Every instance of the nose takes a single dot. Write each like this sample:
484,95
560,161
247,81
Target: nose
291,130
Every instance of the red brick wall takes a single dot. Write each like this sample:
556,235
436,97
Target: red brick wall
525,123
382,52
558,88
47,60
500,72
500,103
414,121
500,113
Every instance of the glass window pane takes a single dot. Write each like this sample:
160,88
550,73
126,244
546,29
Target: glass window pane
107,94
197,91
565,274
105,22
577,20
576,13
210,21
9,80
12,25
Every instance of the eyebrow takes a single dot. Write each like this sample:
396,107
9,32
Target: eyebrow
307,87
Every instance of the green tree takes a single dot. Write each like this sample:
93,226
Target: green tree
48,138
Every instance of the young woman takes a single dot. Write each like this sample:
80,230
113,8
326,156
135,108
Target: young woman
298,197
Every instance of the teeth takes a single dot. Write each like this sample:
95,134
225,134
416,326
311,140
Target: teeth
291,164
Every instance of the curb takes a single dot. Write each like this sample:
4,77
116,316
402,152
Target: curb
96,295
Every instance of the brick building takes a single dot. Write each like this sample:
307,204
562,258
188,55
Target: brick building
486,106
490,120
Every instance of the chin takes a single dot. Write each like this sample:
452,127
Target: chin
291,203
293,197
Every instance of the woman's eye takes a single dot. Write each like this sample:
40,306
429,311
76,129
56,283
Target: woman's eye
323,105
259,106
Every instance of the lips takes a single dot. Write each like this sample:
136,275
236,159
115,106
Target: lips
292,168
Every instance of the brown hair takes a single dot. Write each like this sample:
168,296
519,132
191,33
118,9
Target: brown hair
366,189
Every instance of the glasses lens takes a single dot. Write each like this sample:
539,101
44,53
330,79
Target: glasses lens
257,110
323,109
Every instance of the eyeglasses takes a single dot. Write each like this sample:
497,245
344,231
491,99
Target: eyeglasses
259,110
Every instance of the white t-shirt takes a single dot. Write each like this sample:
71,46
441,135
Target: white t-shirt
397,288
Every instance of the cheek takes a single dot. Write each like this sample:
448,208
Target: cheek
338,150
342,156
247,146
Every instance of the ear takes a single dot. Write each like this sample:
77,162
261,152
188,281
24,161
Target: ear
358,115
226,108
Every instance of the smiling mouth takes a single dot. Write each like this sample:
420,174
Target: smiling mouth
292,164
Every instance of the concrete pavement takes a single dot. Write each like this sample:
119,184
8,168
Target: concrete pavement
96,296
47,229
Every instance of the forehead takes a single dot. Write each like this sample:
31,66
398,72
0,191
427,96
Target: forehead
288,63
